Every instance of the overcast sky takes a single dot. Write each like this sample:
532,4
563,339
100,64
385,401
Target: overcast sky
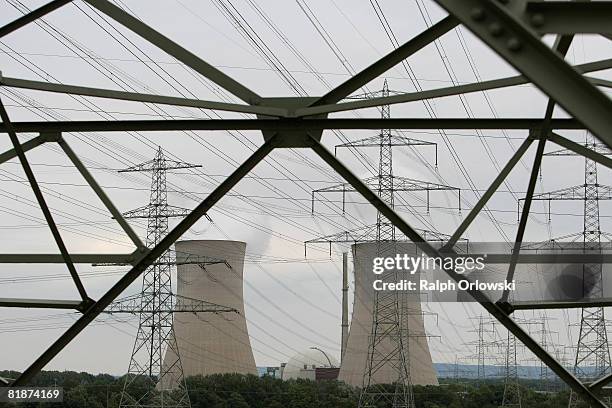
316,44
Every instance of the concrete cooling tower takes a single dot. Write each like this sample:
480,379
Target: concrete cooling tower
210,343
353,364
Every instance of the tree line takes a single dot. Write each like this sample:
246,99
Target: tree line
248,391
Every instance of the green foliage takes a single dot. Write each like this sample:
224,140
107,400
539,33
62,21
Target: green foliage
267,392
248,391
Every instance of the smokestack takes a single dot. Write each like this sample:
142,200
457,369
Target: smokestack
345,288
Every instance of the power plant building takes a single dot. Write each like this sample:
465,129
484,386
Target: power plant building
354,359
309,364
213,343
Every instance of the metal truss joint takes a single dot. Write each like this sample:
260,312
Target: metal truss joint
505,306
52,137
86,304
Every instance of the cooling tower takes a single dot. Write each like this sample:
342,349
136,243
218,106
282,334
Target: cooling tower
209,343
354,360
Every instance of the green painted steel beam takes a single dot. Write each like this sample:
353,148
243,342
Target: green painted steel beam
76,258
286,124
139,97
569,17
40,303
32,16
560,304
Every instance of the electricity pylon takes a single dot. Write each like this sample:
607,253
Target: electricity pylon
592,352
152,379
485,332
543,333
390,308
512,390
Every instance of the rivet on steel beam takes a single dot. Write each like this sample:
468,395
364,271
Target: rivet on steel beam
478,14
537,20
496,29
514,44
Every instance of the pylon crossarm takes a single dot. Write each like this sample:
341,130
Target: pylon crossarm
573,193
396,140
522,47
399,184
387,184
553,243
32,16
369,95
494,309
368,234
408,184
151,211
179,304
159,164
184,258
140,212
187,304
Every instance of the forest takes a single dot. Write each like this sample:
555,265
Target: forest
249,391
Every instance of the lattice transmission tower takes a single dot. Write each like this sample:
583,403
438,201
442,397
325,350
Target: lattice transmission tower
512,387
512,390
592,352
390,308
155,375
485,342
544,333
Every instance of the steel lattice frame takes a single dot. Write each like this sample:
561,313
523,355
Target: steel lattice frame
512,388
512,28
